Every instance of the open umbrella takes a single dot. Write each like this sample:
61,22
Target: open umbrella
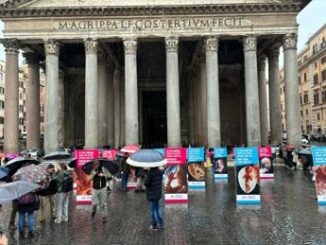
3,172
16,163
130,148
146,158
14,190
106,163
58,155
72,163
33,173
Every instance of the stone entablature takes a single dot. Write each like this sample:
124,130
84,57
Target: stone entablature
120,27
28,8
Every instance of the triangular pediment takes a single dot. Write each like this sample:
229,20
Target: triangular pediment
32,4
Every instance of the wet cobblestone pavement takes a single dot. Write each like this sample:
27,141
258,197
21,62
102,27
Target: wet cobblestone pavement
288,214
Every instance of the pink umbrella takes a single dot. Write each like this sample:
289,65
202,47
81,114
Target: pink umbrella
11,155
130,148
33,173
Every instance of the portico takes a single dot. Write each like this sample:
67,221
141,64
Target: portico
201,60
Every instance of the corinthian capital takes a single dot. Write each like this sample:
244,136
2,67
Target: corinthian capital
11,46
90,46
171,44
130,45
249,43
211,44
290,41
52,47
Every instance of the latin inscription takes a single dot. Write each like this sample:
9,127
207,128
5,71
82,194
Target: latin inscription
147,24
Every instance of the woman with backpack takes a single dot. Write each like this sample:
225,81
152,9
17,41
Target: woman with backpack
64,186
27,204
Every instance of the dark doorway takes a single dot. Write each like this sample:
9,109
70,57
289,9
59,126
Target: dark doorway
154,118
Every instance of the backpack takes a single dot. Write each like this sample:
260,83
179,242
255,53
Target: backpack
67,184
29,198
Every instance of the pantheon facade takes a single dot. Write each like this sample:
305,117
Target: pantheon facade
152,72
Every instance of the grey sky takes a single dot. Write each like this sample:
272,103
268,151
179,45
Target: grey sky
310,20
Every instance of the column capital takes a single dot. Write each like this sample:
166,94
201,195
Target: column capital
273,52
31,57
130,45
211,44
262,63
90,46
171,44
11,46
249,43
290,41
52,47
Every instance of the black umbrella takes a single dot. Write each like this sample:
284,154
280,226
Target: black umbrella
72,163
16,163
58,155
106,163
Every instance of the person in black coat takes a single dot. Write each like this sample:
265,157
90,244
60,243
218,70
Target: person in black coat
153,183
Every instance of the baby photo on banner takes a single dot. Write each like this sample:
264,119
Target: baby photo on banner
319,160
220,167
266,162
83,185
175,176
196,169
247,175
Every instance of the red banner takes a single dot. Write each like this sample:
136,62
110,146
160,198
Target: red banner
109,154
265,151
176,155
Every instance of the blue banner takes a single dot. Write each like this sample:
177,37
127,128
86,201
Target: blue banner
196,154
220,152
319,155
246,156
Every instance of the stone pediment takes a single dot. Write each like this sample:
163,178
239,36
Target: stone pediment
37,4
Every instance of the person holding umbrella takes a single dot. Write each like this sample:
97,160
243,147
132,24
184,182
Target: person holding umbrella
99,175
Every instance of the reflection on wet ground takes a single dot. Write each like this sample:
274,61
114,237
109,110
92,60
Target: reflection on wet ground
288,215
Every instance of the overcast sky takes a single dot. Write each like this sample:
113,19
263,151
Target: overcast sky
310,20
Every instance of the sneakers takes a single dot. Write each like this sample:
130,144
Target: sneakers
152,228
161,227
31,234
57,221
93,214
21,235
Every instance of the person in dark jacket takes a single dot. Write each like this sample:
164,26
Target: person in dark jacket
140,174
153,183
27,204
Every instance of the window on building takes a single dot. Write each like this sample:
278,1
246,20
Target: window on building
316,79
299,79
2,120
21,84
304,77
316,97
315,64
301,113
1,76
2,90
2,104
21,121
280,90
306,111
323,75
305,98
21,108
314,49
318,116
323,95
20,96
323,60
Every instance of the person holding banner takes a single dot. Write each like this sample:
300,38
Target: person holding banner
153,183
99,194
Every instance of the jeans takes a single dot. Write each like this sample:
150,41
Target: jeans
156,213
62,206
124,179
21,221
99,198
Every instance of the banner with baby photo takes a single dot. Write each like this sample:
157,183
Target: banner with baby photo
196,169
319,160
266,162
175,176
83,185
220,167
247,175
